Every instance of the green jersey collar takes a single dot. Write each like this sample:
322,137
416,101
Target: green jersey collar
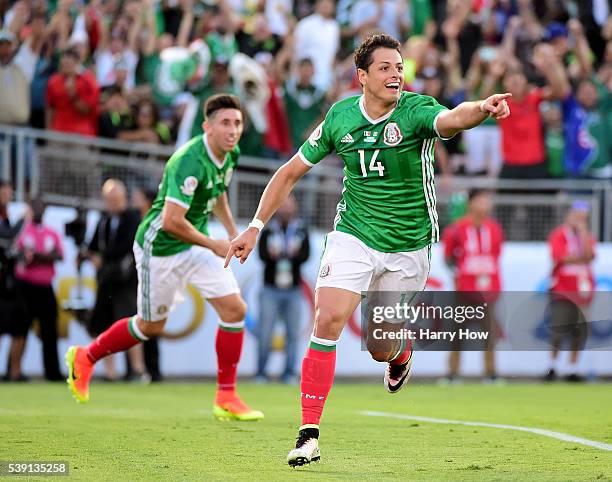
219,163
368,118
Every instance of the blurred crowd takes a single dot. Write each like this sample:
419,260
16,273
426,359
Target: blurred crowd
140,70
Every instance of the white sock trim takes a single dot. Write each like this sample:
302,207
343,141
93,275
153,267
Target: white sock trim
139,334
225,324
309,425
323,341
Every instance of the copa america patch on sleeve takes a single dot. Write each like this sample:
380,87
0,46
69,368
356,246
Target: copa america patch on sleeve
189,186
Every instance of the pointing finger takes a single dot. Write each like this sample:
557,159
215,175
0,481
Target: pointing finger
228,257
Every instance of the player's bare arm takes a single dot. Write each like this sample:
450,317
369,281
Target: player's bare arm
175,223
274,195
223,213
470,114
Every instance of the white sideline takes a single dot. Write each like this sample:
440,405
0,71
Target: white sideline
539,431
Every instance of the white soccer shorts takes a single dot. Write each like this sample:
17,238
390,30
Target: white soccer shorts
161,278
350,264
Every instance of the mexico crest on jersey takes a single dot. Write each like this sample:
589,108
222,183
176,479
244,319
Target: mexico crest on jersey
392,134
189,186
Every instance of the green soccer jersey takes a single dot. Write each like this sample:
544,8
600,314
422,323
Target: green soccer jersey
388,196
193,178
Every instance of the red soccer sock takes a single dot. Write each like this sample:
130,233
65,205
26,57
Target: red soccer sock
123,334
318,370
404,353
229,347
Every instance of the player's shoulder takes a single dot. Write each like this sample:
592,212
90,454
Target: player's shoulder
343,106
410,100
187,156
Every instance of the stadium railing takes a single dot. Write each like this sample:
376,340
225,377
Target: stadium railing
68,169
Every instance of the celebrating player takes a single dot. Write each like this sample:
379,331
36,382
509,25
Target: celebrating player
173,247
386,220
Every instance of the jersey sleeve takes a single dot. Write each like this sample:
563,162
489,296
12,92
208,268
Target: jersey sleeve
182,176
423,117
319,144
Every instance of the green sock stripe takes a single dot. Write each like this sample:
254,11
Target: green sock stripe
131,329
319,347
231,329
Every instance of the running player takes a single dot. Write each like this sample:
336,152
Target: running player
386,220
173,247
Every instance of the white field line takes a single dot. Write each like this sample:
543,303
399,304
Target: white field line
539,431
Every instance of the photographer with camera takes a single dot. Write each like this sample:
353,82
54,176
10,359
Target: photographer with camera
110,250
13,317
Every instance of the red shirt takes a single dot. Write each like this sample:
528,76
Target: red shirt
571,277
38,239
522,132
475,252
66,117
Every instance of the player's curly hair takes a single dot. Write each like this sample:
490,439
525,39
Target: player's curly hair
363,53
221,101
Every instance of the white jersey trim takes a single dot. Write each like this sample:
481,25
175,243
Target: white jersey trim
303,158
428,186
368,118
177,201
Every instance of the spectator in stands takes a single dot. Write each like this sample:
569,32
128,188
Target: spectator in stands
304,102
586,117
259,39
72,98
283,248
110,250
39,247
523,136
122,46
147,126
13,316
16,71
472,248
553,138
383,16
322,47
142,199
116,115
571,291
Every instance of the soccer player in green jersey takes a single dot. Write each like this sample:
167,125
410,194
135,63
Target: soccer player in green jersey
173,248
386,220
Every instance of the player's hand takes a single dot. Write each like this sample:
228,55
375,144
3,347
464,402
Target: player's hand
220,247
242,246
496,106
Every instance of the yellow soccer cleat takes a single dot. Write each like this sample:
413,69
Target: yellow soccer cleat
80,370
231,407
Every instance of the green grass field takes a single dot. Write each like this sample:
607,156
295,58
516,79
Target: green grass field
136,432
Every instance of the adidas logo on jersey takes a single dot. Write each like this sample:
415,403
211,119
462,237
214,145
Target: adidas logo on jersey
347,139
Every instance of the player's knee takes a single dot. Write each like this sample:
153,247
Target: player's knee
236,313
329,323
151,329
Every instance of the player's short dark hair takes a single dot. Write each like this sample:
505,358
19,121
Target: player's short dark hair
478,191
221,101
363,53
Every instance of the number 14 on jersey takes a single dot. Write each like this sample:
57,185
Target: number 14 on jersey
374,164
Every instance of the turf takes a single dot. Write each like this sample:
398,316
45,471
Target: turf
136,432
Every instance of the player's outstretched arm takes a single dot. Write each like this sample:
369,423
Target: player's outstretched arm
470,114
175,223
274,195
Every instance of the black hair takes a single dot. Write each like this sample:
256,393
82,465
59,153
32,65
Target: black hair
477,191
363,53
5,183
221,101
